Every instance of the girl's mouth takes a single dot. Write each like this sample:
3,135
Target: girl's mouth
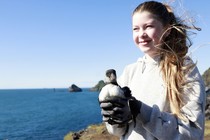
144,42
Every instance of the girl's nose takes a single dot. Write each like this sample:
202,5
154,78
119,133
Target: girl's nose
142,34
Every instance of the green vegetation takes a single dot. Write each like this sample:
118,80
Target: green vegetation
93,132
206,77
207,130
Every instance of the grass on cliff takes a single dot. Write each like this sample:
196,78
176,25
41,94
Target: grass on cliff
207,130
93,132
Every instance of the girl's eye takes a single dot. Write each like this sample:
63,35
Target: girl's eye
135,29
149,26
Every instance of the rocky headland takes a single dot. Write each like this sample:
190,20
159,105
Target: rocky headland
98,86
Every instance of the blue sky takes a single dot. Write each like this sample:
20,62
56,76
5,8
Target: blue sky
56,43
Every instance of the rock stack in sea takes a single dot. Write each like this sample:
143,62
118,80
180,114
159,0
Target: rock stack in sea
74,88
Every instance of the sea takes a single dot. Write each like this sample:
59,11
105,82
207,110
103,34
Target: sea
46,114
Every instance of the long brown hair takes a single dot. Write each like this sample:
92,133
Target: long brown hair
172,51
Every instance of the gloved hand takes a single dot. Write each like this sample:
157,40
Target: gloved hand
117,104
119,110
116,111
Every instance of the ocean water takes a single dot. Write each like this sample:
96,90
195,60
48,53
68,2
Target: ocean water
46,114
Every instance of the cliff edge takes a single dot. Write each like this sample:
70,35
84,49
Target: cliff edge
93,132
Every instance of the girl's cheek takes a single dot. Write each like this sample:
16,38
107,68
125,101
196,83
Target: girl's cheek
134,37
157,37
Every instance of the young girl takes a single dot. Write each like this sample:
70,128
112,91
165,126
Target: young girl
168,94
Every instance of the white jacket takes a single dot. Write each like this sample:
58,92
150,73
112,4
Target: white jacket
155,120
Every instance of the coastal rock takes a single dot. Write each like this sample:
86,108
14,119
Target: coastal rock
98,86
207,108
206,77
74,88
93,132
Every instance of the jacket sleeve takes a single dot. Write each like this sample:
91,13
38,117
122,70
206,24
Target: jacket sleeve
165,126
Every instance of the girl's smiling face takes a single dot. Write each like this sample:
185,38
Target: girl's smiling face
147,31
